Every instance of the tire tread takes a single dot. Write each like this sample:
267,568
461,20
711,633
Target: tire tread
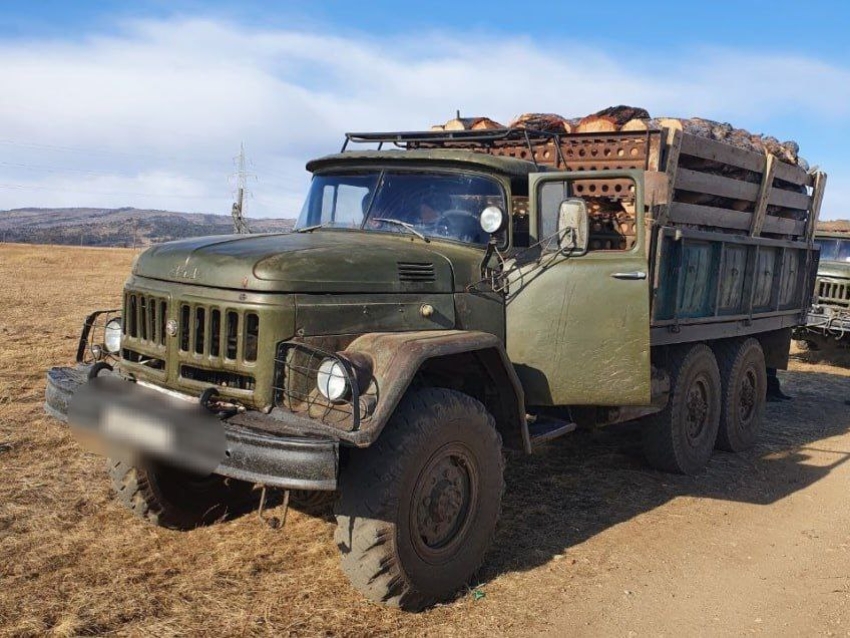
367,547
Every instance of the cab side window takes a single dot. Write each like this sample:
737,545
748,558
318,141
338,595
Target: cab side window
611,217
549,199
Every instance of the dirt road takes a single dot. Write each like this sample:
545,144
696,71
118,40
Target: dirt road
760,544
591,542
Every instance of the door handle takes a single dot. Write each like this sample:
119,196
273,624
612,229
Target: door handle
635,274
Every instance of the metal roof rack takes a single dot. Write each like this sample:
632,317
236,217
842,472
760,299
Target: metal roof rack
410,140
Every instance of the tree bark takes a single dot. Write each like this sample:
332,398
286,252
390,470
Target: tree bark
547,122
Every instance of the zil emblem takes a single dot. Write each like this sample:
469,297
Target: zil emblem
183,272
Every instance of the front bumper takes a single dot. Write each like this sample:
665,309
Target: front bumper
828,323
273,459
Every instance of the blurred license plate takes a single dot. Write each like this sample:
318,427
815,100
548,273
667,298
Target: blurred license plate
123,425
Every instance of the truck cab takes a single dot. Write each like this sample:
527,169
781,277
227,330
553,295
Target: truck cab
828,320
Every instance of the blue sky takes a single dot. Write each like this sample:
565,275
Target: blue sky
145,103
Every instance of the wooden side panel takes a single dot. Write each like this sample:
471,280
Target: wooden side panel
696,215
730,298
789,280
765,271
705,277
718,185
721,153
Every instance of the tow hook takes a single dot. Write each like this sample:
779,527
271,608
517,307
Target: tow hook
211,400
274,522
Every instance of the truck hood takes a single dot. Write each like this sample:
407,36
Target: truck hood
834,269
323,261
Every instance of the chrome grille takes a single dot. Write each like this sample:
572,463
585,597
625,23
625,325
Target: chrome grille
218,332
144,318
833,293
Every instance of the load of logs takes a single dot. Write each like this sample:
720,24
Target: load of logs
712,189
629,118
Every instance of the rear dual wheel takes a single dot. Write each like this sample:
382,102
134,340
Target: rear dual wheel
742,369
717,399
680,438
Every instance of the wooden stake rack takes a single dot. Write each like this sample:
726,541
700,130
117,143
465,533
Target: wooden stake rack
710,185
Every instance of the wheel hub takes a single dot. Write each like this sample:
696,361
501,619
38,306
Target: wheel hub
442,502
747,401
445,495
696,408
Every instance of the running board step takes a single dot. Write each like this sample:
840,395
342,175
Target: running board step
545,428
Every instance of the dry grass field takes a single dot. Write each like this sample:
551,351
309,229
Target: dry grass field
591,542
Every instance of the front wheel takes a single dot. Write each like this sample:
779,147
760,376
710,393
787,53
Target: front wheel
418,509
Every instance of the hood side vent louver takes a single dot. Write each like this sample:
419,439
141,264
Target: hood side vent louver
415,272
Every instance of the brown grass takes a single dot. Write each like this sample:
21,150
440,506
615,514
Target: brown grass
74,562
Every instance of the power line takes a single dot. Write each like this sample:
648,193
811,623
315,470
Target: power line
90,192
53,169
88,150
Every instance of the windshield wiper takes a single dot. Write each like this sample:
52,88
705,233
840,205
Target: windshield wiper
307,229
409,227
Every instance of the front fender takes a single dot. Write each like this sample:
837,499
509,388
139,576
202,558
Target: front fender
398,357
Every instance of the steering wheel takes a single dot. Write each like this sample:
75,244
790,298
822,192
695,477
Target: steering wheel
452,221
455,212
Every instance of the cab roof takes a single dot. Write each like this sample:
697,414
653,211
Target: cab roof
460,158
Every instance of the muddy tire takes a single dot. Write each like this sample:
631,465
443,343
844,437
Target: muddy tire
681,437
177,499
418,509
741,365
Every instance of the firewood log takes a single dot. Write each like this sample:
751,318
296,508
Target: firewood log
485,124
641,124
460,124
467,124
621,114
597,124
547,122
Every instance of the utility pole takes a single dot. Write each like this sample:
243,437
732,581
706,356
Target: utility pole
239,224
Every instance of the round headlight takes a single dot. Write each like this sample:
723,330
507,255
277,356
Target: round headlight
112,335
492,218
331,380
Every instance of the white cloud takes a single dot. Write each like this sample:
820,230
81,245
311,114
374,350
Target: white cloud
160,107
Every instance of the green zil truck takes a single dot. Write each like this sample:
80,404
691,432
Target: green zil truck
445,295
828,322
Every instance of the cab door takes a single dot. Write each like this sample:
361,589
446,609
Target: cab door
578,324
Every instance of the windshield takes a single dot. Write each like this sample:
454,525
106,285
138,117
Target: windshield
435,205
834,249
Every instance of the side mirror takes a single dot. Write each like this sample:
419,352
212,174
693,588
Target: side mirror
573,226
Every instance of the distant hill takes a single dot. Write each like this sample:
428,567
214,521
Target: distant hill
118,226
126,227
